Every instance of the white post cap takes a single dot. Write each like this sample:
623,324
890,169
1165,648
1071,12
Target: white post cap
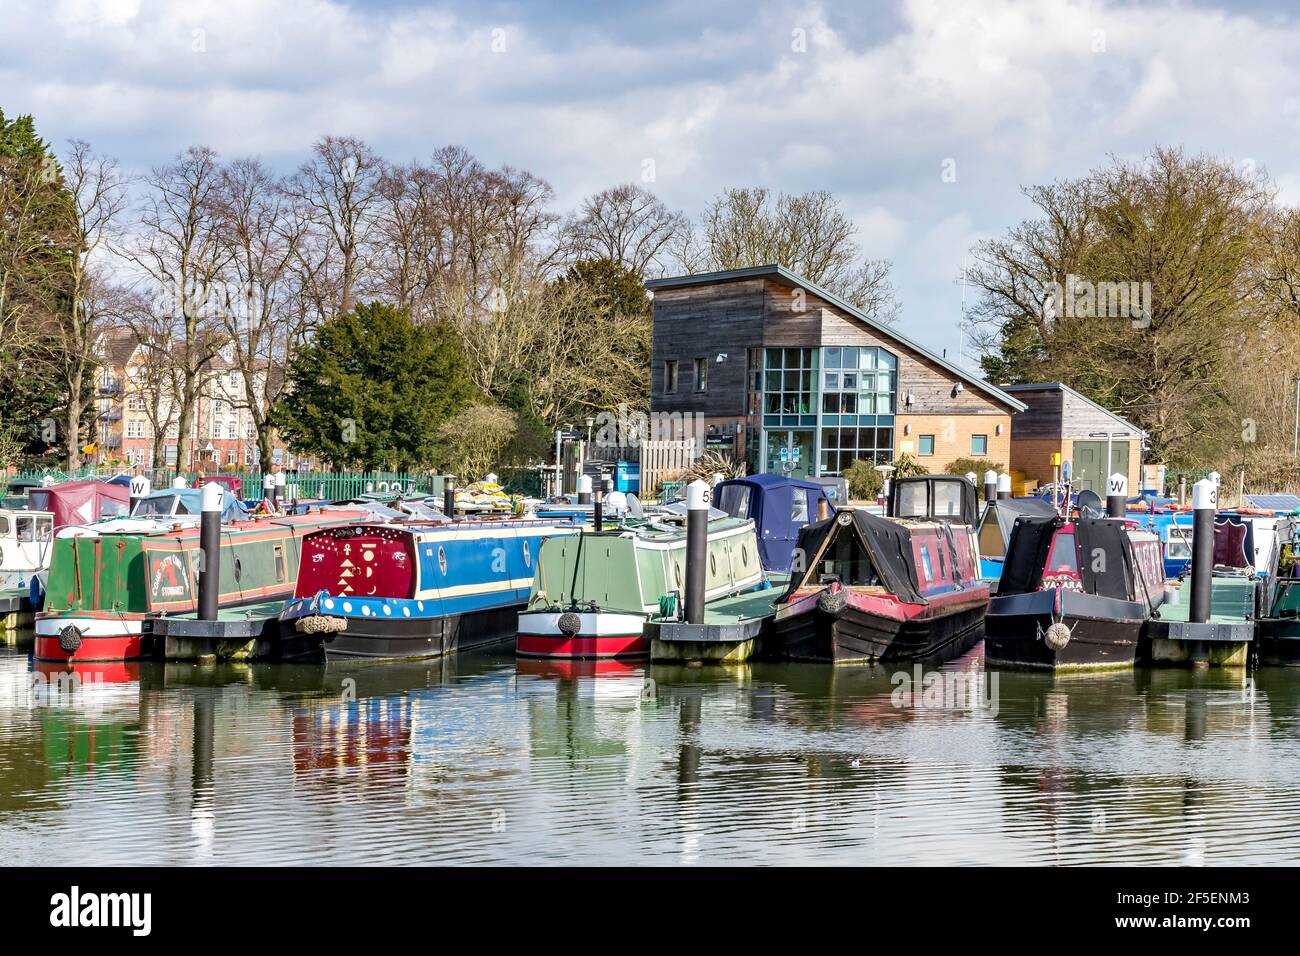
972,477
1004,483
717,479
179,482
1213,476
990,477
140,487
1205,495
584,484
697,496
213,497
268,481
1117,484
279,479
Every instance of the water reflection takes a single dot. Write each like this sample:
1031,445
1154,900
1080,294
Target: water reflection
485,759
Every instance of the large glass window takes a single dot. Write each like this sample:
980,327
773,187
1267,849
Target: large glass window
857,406
788,386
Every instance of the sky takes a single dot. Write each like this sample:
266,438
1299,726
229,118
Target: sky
924,117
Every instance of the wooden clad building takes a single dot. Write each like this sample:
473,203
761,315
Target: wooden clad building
1059,419
793,379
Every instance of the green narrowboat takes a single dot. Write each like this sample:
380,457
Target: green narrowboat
109,582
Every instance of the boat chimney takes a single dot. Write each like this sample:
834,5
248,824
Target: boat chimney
697,547
990,485
584,489
1205,497
598,510
140,488
1116,495
210,551
449,496
1004,487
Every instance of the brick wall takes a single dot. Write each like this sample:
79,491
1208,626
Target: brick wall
952,437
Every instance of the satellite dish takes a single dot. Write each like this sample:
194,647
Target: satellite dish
634,507
1089,499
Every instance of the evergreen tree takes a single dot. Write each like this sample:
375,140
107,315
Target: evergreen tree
373,388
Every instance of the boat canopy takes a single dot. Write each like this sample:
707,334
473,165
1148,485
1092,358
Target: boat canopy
80,502
941,497
172,502
1000,517
886,545
779,506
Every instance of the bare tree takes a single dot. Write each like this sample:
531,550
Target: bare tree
99,190
182,252
338,190
627,224
261,308
807,233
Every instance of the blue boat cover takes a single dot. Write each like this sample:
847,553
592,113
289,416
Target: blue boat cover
160,503
779,507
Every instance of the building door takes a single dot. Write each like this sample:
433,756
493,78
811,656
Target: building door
789,452
1091,468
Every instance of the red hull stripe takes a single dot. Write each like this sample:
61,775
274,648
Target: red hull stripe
117,647
621,645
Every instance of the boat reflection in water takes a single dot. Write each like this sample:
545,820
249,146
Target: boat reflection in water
486,759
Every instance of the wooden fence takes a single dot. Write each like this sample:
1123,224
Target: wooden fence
664,460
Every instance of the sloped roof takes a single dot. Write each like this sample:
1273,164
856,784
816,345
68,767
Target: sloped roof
781,274
1062,387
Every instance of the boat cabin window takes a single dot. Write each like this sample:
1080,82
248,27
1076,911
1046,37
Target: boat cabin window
735,501
109,508
947,499
799,507
4,526
1178,548
156,506
846,561
912,500
991,543
39,500
1063,557
280,571
30,528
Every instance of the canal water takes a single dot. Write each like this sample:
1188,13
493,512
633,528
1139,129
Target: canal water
483,759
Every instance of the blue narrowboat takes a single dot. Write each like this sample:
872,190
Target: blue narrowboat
780,507
405,591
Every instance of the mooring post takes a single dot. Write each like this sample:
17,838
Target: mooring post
990,485
1116,495
584,489
1205,497
1004,487
697,548
268,488
179,482
278,500
448,497
140,488
210,551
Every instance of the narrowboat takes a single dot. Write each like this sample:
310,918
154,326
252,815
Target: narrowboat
108,582
26,540
900,588
1277,635
594,592
1074,593
409,590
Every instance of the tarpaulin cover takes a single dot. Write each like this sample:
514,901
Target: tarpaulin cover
1031,539
779,507
188,501
887,544
80,502
1105,558
1007,510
